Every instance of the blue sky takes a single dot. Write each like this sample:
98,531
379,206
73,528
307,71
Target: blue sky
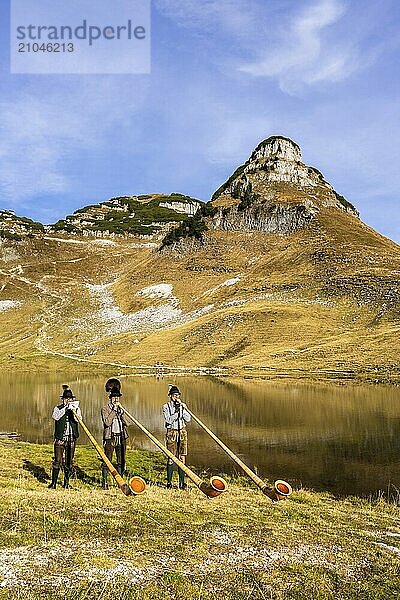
225,75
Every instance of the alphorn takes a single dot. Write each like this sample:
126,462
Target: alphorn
281,489
136,486
216,486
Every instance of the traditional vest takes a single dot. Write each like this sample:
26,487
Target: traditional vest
61,424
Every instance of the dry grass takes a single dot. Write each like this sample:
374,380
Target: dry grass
84,542
321,300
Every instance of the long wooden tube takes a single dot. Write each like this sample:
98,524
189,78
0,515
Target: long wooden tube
281,489
216,486
136,486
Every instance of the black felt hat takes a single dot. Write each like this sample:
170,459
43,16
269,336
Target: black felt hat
173,389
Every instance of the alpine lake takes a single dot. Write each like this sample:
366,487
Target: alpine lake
344,439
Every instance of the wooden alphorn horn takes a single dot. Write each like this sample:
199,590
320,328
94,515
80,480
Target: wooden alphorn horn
136,486
281,489
216,486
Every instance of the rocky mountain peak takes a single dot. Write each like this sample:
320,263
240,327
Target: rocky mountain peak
277,147
274,191
278,159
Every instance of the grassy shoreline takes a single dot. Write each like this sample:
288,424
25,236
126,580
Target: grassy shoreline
47,363
87,543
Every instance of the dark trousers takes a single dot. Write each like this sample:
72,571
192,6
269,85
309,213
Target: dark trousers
120,453
64,451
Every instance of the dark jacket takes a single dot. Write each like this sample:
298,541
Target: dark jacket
61,424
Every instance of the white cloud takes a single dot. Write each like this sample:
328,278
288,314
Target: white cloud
304,53
296,46
28,152
42,129
313,48
299,45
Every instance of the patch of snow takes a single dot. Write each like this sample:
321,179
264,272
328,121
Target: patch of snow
238,555
15,565
109,317
98,288
27,567
7,304
149,318
100,242
152,317
126,570
230,282
162,290
263,558
226,283
200,311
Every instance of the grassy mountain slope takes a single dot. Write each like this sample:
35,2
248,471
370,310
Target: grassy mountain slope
286,278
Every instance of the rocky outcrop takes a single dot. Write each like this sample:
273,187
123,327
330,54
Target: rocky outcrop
277,148
274,191
188,208
14,227
130,216
270,218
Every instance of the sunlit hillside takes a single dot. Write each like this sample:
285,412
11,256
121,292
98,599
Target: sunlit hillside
278,275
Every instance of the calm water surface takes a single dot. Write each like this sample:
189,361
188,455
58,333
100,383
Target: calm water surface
341,439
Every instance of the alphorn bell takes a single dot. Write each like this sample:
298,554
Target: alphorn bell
216,486
136,486
281,489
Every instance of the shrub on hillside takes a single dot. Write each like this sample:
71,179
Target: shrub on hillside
194,227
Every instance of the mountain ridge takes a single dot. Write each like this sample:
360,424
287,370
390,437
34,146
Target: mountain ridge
277,156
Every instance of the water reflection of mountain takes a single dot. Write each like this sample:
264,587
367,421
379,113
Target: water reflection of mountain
344,439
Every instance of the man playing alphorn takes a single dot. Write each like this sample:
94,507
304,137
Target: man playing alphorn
176,416
66,433
114,433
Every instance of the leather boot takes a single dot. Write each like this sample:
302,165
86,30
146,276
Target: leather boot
182,484
104,475
67,473
54,476
170,470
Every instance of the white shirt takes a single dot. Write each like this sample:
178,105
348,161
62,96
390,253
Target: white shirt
175,419
58,413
